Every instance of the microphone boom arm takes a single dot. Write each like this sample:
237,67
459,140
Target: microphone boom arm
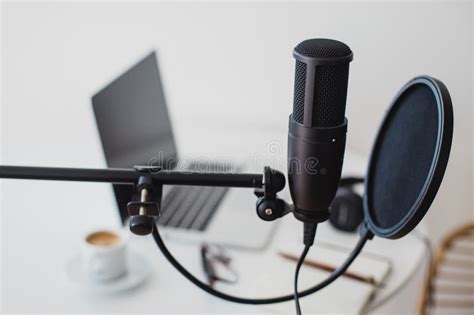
149,180
131,176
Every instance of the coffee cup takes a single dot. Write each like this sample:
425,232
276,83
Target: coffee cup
104,254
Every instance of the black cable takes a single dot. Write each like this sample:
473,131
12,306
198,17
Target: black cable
297,271
161,245
309,233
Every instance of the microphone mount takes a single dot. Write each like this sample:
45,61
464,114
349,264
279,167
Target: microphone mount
269,206
143,213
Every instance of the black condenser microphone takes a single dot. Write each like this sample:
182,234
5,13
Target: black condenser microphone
317,127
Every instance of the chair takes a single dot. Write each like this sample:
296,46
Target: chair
449,286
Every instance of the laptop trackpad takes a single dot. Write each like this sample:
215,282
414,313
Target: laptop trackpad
236,222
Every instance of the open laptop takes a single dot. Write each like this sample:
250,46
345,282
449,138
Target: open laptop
135,129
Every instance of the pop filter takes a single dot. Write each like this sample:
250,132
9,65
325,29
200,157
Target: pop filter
409,158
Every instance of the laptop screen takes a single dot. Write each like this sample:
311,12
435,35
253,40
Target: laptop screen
133,120
134,124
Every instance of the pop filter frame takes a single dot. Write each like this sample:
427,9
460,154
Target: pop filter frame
436,169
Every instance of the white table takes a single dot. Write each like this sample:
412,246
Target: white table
43,221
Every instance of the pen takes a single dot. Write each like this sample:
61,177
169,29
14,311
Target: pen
329,268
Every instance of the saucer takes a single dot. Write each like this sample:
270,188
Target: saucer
138,270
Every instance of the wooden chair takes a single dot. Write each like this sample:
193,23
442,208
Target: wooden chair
449,286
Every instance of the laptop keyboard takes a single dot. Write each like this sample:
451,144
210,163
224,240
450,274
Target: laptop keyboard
192,207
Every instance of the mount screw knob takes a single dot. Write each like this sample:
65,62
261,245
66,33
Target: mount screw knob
141,224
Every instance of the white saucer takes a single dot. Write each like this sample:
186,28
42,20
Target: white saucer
138,270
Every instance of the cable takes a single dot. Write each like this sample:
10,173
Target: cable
297,271
333,276
309,233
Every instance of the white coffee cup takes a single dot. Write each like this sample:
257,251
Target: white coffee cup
104,254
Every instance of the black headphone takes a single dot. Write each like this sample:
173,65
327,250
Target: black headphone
346,209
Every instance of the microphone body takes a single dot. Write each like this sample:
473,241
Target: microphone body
317,126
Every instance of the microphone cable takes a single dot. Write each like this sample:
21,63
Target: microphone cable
285,298
309,234
297,271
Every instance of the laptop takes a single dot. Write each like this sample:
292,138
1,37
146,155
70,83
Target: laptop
135,129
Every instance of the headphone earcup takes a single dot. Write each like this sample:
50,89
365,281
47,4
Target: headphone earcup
346,210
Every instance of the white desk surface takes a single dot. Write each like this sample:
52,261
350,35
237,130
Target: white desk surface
43,221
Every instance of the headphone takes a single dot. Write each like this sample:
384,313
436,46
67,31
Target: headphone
347,211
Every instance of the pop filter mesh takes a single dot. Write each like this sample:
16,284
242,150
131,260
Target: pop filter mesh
405,150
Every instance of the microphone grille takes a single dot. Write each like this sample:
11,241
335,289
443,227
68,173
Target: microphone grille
323,48
329,102
298,100
321,77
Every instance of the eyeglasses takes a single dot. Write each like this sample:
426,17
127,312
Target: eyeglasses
213,256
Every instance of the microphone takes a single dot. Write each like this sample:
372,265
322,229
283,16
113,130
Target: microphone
317,126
